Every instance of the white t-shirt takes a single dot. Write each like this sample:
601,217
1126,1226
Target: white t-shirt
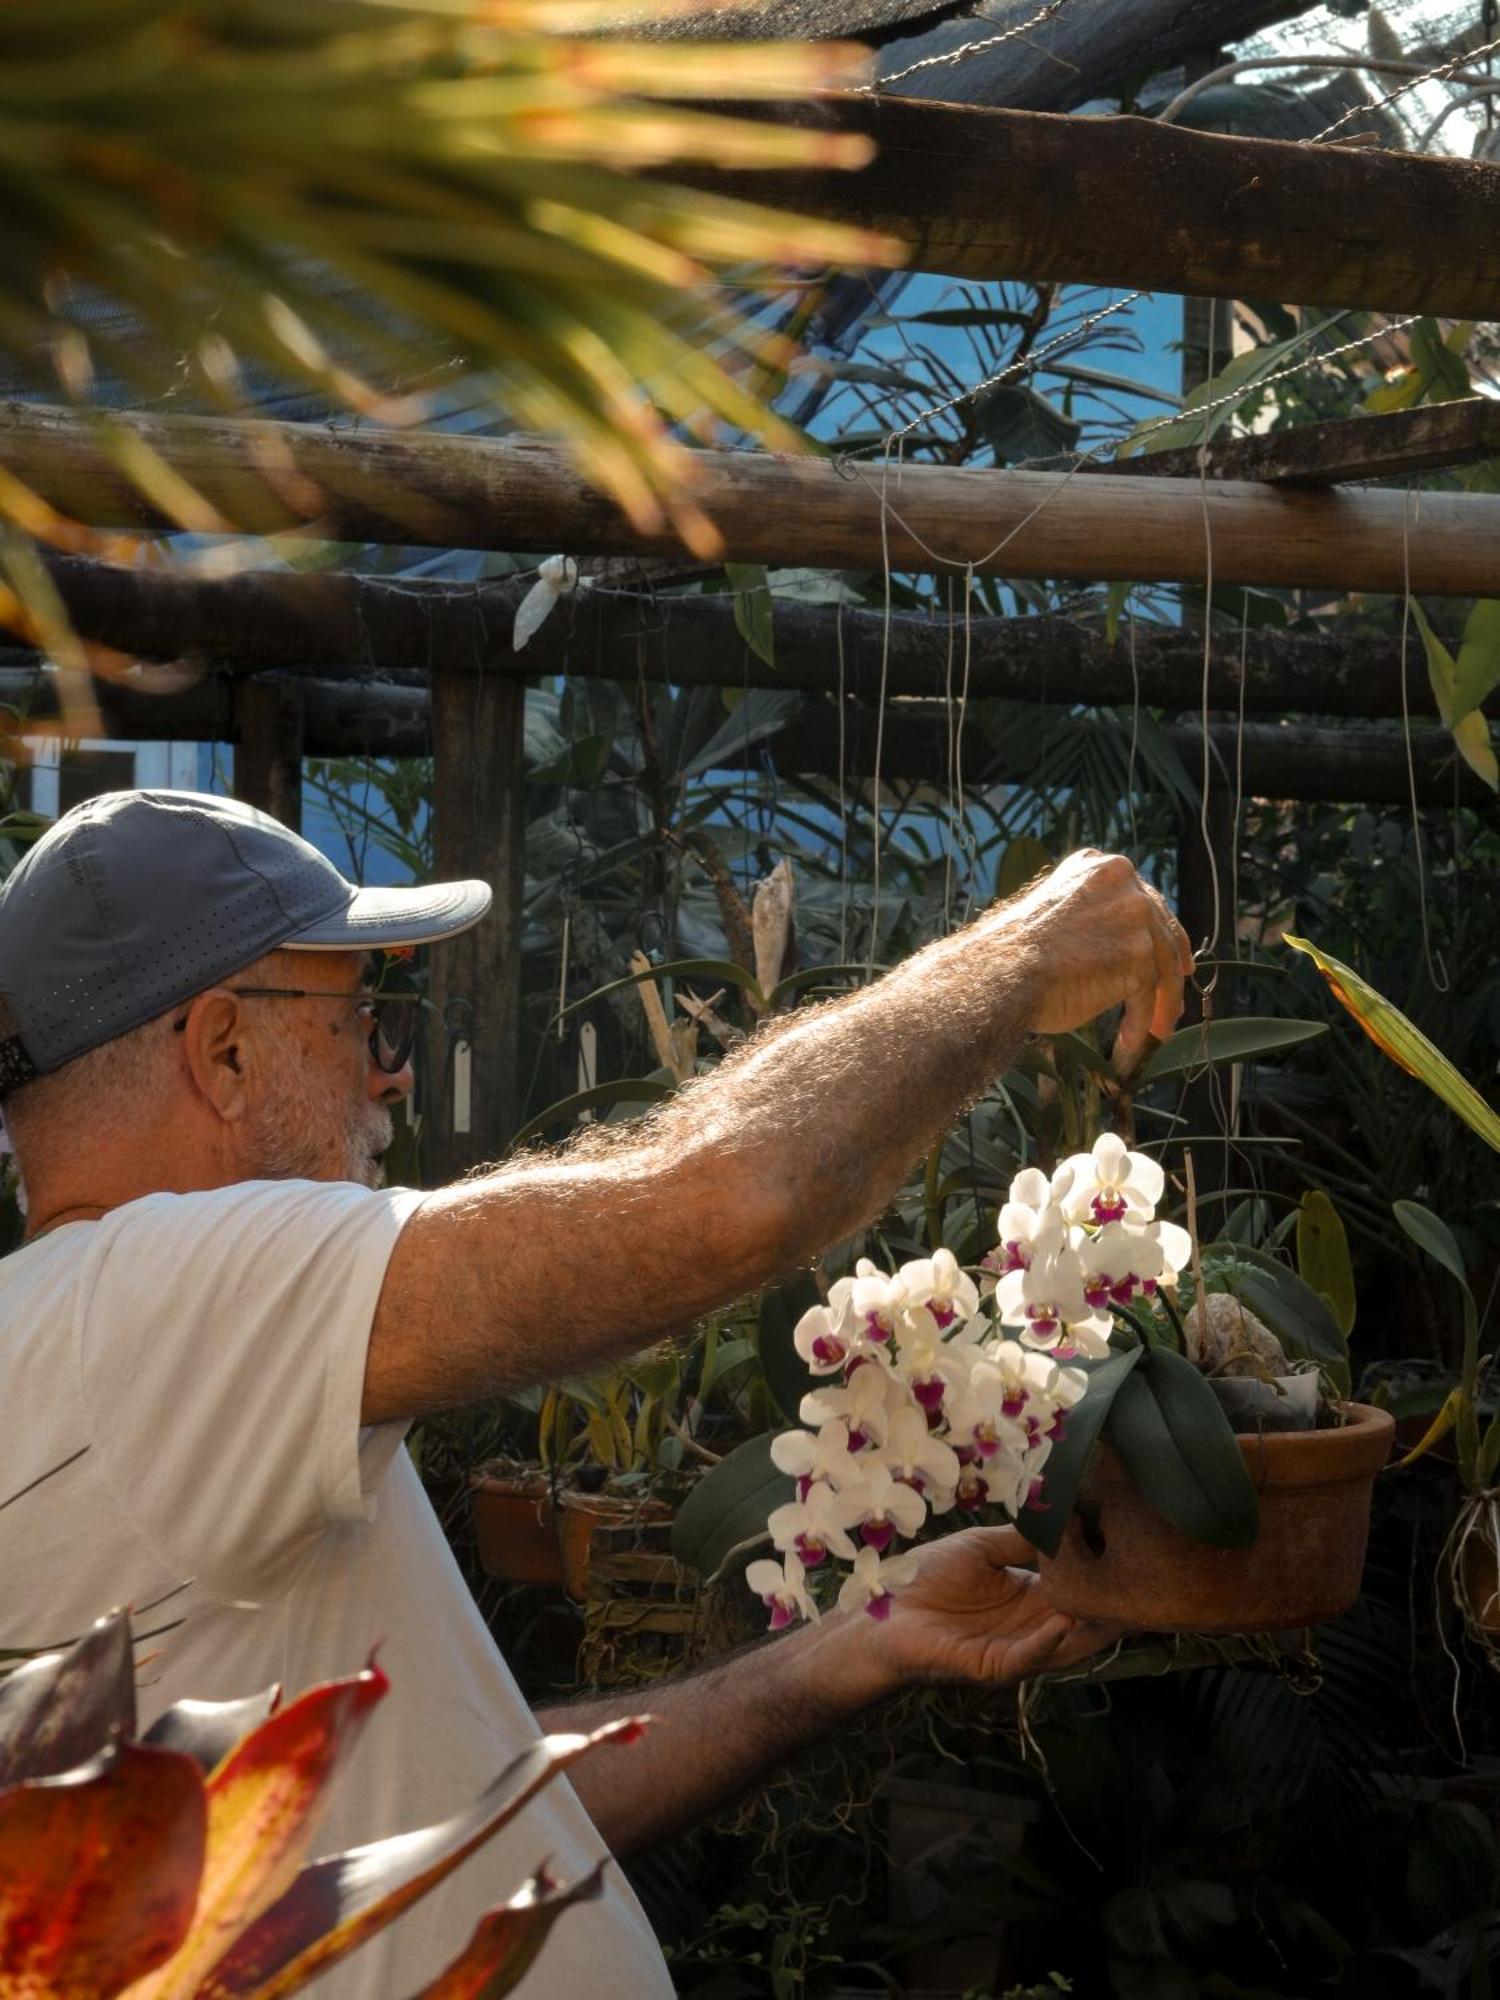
203,1356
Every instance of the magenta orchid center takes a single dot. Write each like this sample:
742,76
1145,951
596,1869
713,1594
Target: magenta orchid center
1110,1205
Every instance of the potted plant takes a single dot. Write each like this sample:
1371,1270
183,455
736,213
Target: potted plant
1079,1399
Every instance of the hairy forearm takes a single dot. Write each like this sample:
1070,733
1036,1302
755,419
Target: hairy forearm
717,1733
559,1265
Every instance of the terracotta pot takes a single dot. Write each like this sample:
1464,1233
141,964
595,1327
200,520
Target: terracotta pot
1304,1566
515,1526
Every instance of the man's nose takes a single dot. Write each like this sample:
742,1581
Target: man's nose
389,1086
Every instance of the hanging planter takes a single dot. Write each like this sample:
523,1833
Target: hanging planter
1120,1558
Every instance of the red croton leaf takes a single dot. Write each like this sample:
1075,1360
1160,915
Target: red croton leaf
264,1803
505,1944
337,1903
99,1872
60,1709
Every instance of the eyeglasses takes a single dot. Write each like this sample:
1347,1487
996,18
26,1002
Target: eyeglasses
393,1017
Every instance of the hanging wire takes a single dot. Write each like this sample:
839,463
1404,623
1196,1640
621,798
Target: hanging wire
1438,73
949,57
1437,972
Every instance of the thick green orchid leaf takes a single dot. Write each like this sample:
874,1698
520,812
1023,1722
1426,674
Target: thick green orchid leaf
729,1505
504,1947
1043,1522
1323,1259
1405,1044
1430,1233
99,1872
207,1731
1239,1038
60,1709
336,1904
1175,1442
264,1803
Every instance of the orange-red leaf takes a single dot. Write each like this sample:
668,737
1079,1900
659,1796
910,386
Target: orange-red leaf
264,1802
337,1903
99,1873
60,1709
506,1941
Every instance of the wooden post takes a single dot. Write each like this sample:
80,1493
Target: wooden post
269,730
471,1098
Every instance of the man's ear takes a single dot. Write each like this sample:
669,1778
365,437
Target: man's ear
213,1034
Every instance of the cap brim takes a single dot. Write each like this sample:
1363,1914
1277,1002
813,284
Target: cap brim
391,919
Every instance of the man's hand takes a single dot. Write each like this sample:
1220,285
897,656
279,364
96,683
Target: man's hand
1095,935
970,1616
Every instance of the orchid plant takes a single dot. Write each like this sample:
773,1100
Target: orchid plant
947,1397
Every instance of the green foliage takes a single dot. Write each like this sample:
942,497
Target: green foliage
1043,1525
728,1506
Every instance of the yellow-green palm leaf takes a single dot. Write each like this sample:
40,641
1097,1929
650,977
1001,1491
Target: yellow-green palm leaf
1404,1042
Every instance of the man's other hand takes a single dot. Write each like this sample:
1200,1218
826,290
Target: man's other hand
969,1615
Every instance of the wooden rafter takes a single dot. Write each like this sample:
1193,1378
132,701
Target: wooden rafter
1295,761
1125,201
1400,444
520,493
324,622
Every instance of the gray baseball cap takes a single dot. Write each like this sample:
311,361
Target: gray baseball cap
135,901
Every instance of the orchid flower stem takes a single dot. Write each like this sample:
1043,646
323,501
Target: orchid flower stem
1176,1318
1127,1317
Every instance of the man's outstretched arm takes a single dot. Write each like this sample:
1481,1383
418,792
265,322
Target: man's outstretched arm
968,1616
554,1265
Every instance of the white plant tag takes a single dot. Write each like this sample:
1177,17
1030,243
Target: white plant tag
463,1086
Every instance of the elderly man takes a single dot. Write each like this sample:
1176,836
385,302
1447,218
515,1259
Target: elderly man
220,1326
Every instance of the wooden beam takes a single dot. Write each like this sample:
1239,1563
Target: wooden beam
519,493
1126,201
350,718
328,621
1394,446
469,1111
269,736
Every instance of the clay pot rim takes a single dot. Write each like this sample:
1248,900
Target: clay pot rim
1295,1459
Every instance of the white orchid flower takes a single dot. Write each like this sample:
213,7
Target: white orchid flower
888,1506
941,1285
1176,1248
1047,1300
827,1456
817,1525
1119,1262
874,1579
1111,1183
921,1461
1021,1227
821,1341
864,1403
781,1587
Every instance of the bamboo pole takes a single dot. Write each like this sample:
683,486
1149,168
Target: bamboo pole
520,493
318,623
981,193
